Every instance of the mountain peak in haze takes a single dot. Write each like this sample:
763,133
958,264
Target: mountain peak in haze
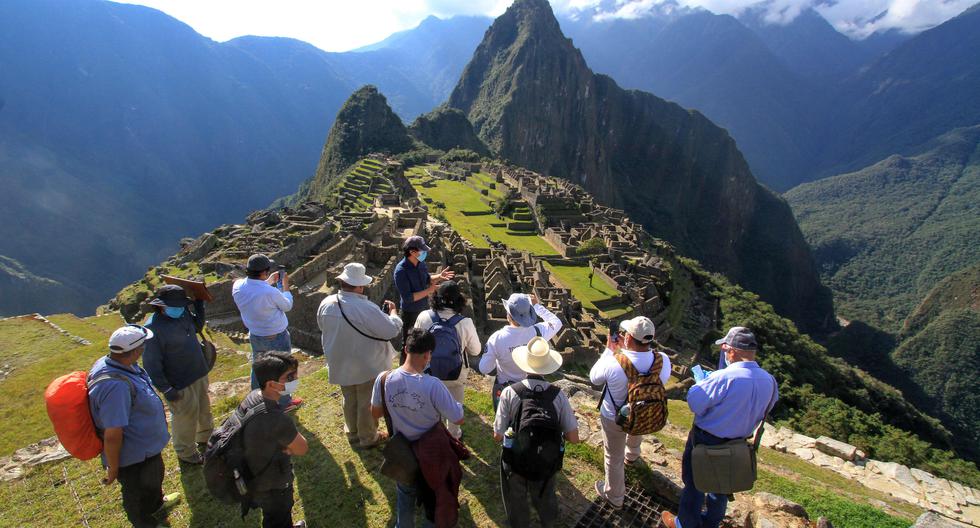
533,99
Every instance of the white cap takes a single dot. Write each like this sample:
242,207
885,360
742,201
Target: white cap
128,338
641,328
355,274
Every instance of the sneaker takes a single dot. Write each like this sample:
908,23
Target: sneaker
195,460
381,439
668,520
299,524
600,486
170,500
294,404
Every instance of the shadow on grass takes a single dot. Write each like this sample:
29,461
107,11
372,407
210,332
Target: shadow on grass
205,510
322,486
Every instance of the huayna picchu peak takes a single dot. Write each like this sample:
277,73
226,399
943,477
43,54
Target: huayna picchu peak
534,101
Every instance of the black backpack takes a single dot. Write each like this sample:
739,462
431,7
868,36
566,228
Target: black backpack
539,446
225,470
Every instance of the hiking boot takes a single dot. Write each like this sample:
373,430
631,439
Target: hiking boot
599,487
294,404
668,520
195,459
381,439
299,524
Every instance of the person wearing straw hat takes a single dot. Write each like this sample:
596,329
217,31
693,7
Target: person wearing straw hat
536,359
356,345
634,341
523,311
130,416
176,365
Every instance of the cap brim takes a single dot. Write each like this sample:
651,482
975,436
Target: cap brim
720,341
525,320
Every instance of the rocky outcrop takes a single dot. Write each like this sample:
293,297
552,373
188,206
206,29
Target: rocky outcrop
445,129
365,124
533,100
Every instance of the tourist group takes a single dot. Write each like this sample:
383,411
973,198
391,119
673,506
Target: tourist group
247,460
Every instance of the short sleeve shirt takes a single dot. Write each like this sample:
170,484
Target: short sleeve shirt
416,402
607,371
264,437
509,401
143,422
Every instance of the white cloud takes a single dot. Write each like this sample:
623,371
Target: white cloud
337,25
857,18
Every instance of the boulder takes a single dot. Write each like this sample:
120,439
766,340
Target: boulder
803,453
836,448
934,520
897,473
771,502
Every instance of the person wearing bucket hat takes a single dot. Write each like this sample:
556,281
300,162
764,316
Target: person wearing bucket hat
414,282
728,405
263,307
536,359
738,337
631,347
455,333
523,311
176,364
130,416
356,336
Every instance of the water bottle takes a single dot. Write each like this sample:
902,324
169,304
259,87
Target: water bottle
509,438
624,411
240,484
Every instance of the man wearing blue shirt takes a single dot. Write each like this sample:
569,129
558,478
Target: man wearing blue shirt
130,416
263,307
729,404
414,282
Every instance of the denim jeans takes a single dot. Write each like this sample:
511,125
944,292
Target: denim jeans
690,513
262,344
405,507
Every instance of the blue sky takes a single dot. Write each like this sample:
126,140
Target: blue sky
340,25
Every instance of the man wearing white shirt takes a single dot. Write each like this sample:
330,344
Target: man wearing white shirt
635,341
263,307
448,302
522,313
355,335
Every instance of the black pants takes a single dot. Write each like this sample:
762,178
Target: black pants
517,491
408,322
142,491
276,506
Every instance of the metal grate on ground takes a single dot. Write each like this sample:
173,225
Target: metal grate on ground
640,510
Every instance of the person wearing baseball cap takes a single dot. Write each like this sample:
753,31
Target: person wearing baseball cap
729,404
414,282
263,307
738,337
523,311
537,359
356,336
176,364
631,347
130,416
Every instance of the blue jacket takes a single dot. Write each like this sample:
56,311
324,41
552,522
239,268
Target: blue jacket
173,357
409,279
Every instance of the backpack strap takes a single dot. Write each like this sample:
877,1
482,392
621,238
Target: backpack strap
434,316
384,404
537,331
356,329
92,382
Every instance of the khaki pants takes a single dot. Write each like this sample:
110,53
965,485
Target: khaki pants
457,388
358,422
190,418
617,447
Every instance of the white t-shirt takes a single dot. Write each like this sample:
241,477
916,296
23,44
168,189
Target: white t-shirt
416,402
607,371
504,341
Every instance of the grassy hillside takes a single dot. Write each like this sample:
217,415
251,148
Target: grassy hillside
885,235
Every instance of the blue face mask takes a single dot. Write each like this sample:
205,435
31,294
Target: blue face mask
423,255
174,313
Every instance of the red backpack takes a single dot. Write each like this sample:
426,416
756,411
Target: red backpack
67,401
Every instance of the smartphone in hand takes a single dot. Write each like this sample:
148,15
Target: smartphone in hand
614,331
280,271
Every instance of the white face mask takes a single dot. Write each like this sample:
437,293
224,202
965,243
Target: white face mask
291,387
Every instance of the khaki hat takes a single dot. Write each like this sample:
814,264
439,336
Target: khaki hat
641,328
537,357
355,274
